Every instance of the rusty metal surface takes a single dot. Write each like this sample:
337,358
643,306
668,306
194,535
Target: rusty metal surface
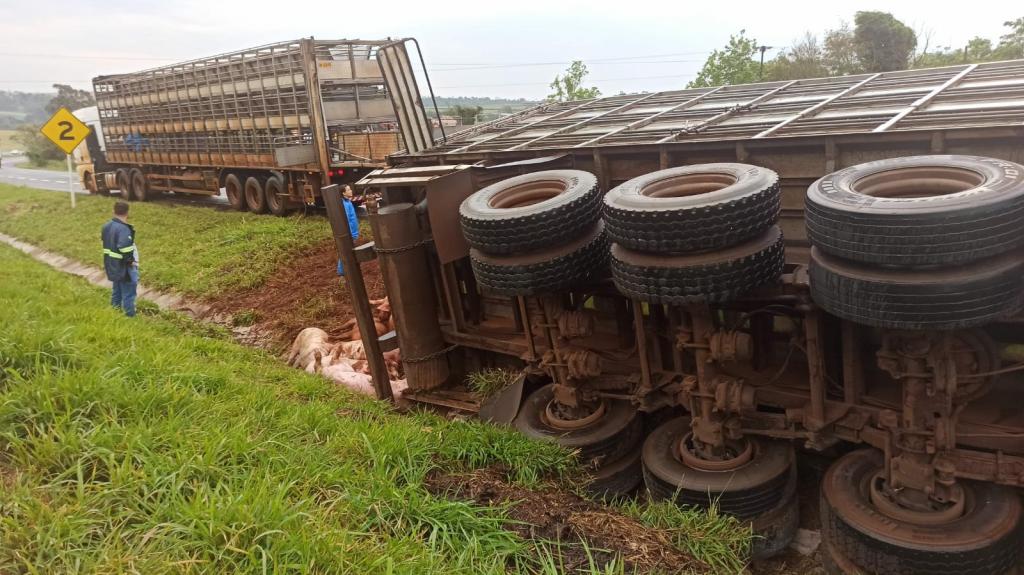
404,261
357,292
444,196
236,109
955,97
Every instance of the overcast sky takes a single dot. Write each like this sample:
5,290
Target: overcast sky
510,49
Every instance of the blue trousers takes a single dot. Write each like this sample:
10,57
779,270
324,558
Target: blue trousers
123,297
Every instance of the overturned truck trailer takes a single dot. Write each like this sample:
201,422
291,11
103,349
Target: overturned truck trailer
693,284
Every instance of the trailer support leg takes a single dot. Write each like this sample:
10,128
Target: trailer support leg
357,291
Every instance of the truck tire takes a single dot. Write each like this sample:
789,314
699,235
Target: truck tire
255,195
939,298
582,260
124,184
712,276
140,185
746,492
531,212
607,439
277,198
692,208
235,192
617,478
920,210
89,183
987,539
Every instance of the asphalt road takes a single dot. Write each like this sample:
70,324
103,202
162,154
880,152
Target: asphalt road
10,173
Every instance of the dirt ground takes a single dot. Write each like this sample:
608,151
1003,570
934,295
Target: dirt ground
550,514
306,293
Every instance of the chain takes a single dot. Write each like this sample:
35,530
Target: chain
430,356
399,250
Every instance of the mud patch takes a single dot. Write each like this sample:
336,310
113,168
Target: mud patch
550,514
303,292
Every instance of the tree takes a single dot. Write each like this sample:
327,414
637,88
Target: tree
978,49
882,42
70,98
804,59
37,148
569,87
840,52
734,64
468,114
1011,45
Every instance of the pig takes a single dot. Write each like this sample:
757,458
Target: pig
309,349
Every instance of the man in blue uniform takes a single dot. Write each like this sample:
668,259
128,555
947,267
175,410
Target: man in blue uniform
120,259
347,204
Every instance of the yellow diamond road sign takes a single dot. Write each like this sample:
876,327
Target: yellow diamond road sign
65,130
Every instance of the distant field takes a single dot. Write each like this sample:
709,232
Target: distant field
7,142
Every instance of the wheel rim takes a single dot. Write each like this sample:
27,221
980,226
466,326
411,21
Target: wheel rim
272,191
918,182
561,416
737,454
688,185
991,513
919,511
527,194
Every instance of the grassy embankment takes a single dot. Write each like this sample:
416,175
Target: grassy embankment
157,445
196,250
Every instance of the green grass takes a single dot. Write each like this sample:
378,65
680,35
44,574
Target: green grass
158,445
488,382
720,541
154,445
196,250
51,165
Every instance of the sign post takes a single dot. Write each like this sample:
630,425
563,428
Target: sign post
66,132
71,182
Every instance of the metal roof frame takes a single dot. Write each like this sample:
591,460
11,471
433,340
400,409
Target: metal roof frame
987,95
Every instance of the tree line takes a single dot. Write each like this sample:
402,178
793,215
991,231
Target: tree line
37,148
877,42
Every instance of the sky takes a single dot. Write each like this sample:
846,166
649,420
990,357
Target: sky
499,49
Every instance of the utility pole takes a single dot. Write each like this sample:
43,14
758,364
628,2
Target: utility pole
763,49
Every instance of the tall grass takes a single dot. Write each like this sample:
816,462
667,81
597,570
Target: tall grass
197,250
720,541
150,446
157,445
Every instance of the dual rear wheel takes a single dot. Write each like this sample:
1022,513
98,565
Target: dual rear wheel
861,536
257,194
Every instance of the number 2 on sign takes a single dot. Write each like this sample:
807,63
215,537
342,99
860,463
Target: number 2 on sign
65,134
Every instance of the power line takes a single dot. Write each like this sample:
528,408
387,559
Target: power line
547,83
584,60
539,64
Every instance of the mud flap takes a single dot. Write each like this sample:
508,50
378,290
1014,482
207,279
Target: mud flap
502,407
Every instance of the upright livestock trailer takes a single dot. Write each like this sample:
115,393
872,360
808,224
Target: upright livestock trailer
693,284
270,125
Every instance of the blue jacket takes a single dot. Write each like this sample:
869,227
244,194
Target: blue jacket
353,225
118,249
